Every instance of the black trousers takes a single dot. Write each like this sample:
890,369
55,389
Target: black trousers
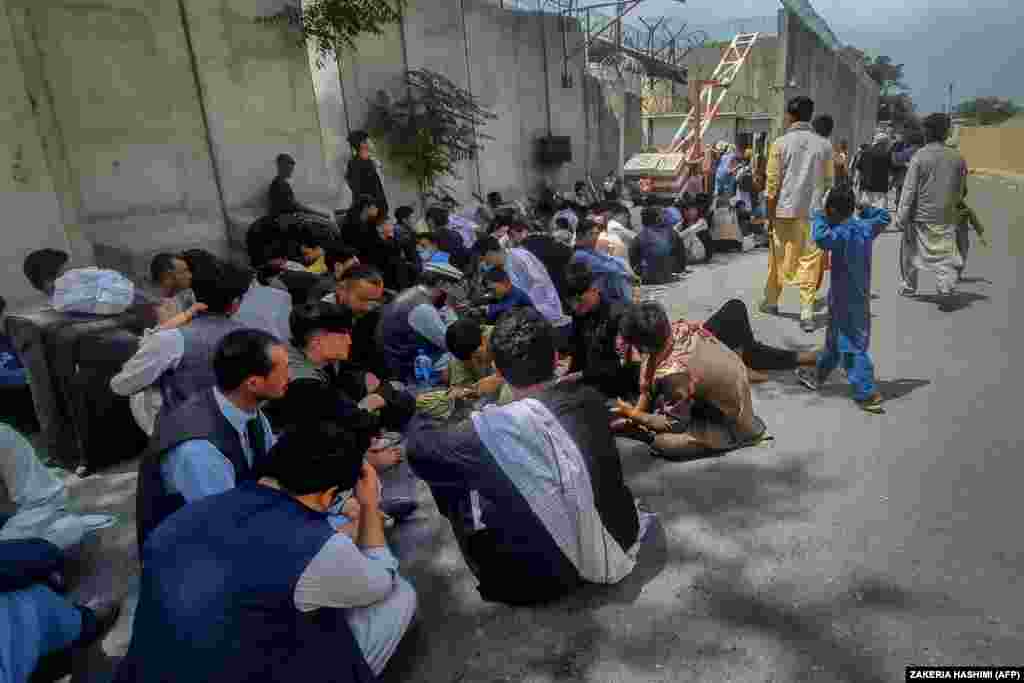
731,325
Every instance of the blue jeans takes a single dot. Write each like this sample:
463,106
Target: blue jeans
34,622
859,368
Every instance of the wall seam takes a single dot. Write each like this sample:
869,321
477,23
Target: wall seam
194,64
469,89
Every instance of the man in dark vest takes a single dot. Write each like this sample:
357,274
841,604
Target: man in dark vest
255,585
533,489
412,323
210,442
179,360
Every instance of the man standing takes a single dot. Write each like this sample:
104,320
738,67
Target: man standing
361,174
934,186
264,587
799,174
612,276
212,441
875,167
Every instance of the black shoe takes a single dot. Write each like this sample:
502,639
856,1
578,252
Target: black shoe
98,616
399,509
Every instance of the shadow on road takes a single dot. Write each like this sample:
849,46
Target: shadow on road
956,302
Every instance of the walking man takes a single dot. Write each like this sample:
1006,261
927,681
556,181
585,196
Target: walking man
928,212
799,174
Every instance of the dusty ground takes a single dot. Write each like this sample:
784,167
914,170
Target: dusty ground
848,548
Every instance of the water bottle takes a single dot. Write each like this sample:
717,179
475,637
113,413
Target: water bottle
424,368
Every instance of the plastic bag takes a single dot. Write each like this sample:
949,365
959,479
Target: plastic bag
92,290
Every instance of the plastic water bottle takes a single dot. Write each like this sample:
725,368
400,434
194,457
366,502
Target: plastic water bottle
423,367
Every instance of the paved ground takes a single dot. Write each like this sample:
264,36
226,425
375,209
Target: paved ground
850,547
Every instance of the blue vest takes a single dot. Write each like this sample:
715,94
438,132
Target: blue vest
197,418
217,602
399,340
195,370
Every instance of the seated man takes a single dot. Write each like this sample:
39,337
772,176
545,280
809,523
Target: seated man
529,274
694,390
211,441
312,251
504,294
35,619
171,274
471,370
179,360
427,248
613,276
446,238
281,197
265,308
395,258
264,587
653,253
361,290
533,490
321,339
413,323
594,350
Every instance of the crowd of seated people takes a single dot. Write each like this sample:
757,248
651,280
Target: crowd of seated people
285,406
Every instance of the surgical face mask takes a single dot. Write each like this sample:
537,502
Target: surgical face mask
424,253
485,267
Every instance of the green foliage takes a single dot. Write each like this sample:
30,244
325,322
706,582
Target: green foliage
888,75
432,127
899,109
987,111
334,25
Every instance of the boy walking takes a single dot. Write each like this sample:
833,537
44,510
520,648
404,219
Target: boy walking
849,240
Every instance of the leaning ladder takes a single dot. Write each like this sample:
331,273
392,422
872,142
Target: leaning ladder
711,95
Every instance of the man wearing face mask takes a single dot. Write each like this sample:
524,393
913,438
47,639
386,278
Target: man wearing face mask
361,291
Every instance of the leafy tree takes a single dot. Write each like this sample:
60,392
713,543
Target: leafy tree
334,25
427,132
988,110
888,75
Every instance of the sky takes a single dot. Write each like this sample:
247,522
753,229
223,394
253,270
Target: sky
975,44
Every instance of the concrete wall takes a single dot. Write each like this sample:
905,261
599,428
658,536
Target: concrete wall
137,126
512,62
838,86
722,129
752,90
993,148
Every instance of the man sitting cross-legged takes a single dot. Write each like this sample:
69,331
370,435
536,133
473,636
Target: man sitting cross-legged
533,489
255,585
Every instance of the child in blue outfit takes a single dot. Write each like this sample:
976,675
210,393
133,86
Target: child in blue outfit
849,240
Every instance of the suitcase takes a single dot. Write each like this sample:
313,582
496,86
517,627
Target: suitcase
43,339
105,430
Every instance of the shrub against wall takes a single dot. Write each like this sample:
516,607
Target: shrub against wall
430,129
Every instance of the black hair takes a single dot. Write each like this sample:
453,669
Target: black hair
840,201
281,158
319,316
364,273
916,138
357,137
220,285
3,305
314,457
488,245
403,212
562,223
200,262
651,215
523,343
41,266
801,108
495,275
438,216
162,264
646,326
579,185
243,354
494,197
463,338
336,252
578,278
823,125
309,238
936,127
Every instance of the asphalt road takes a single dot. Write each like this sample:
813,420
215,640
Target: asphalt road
846,549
